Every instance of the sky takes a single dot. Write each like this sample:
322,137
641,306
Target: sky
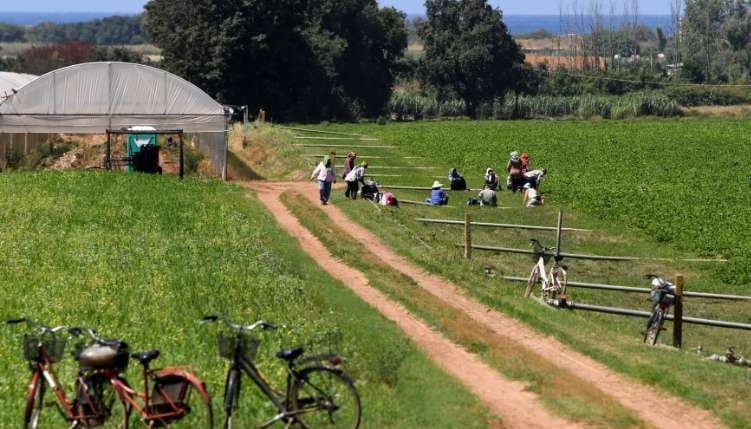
509,7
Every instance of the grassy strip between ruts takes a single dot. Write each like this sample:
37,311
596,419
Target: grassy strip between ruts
561,391
143,258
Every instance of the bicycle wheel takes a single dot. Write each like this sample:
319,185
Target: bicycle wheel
324,397
534,278
187,405
558,280
34,402
654,326
231,395
99,404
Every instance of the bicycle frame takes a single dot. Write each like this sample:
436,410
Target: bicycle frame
280,403
143,408
44,371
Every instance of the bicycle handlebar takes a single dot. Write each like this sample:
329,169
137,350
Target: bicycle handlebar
236,326
536,242
91,332
43,329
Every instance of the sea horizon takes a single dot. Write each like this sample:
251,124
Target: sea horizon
517,24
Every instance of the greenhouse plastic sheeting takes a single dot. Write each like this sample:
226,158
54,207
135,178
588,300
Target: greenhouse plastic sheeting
93,97
13,81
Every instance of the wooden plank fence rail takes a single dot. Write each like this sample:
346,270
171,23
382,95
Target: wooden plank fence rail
641,290
420,203
594,257
637,313
338,145
379,167
308,130
420,188
359,156
500,225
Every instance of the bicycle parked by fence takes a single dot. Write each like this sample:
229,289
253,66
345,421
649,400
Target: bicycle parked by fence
553,284
317,393
663,296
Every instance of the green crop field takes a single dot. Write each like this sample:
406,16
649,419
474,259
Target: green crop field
142,258
685,182
651,188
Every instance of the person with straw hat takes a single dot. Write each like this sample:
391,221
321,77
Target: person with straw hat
438,196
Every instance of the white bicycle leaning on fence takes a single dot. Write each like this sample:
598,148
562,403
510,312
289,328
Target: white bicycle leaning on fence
553,283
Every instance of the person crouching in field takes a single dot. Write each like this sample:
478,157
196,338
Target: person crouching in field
456,181
491,180
438,196
354,178
488,197
326,175
532,198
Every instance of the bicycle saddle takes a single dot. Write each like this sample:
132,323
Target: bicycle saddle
290,354
146,357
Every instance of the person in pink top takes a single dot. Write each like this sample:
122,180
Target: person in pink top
326,176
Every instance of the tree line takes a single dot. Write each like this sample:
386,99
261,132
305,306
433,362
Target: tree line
331,59
704,41
115,30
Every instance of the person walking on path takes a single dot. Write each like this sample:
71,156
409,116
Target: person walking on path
326,175
355,177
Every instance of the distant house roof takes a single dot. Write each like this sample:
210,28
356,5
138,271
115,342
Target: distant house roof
13,81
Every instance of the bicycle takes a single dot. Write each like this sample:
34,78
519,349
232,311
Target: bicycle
553,284
663,296
42,348
318,395
170,400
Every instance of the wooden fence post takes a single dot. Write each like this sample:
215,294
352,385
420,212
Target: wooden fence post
467,236
678,316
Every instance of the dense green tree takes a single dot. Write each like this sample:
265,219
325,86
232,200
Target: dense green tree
701,25
299,60
115,30
469,52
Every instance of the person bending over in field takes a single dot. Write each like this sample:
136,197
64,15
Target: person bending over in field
354,178
438,196
532,198
534,177
515,180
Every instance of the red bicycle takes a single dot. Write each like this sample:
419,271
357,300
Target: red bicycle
42,348
177,396
102,397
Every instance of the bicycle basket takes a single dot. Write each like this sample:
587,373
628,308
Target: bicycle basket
53,345
228,343
324,343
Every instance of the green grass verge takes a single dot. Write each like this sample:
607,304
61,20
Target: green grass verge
142,258
560,391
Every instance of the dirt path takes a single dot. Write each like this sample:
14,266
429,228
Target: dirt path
638,398
509,400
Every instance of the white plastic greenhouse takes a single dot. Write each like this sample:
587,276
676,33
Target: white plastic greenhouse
92,98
